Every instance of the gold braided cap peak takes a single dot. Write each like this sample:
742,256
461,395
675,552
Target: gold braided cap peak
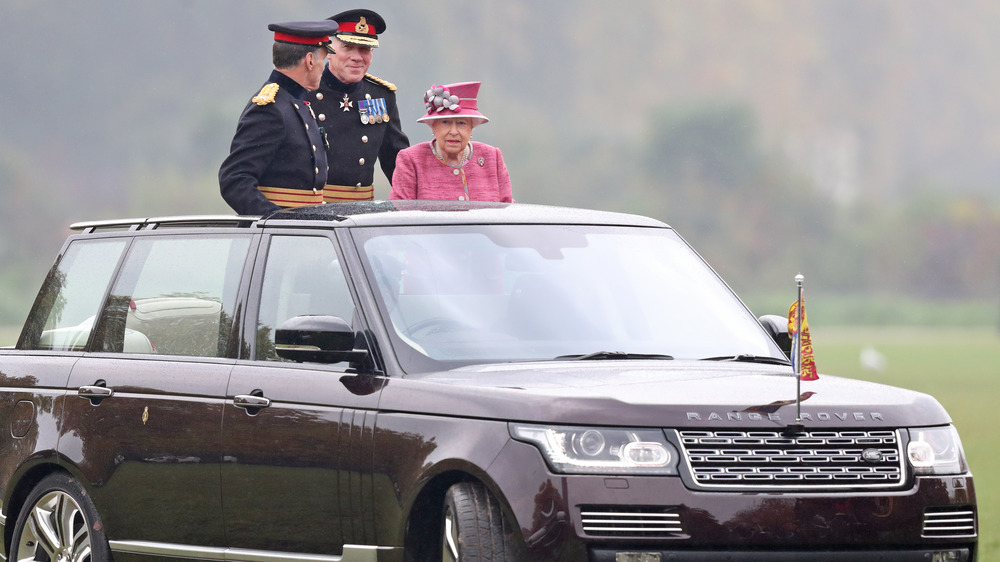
378,80
266,94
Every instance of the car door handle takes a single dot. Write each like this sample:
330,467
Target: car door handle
251,402
95,392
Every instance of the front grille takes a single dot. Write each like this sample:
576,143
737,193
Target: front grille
812,460
631,520
949,522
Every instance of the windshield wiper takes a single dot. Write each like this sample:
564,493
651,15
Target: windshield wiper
601,355
747,358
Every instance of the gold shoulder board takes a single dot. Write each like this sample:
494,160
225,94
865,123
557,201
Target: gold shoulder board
378,80
266,94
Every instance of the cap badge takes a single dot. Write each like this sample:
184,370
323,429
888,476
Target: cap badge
266,94
362,26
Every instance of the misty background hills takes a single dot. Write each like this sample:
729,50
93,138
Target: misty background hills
854,141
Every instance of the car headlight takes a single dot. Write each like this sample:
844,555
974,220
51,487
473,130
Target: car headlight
600,450
936,450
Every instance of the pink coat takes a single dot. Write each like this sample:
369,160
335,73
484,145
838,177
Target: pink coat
420,175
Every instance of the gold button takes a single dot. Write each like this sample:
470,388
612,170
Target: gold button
455,171
359,184
307,126
368,96
364,138
322,116
317,173
361,161
319,95
296,105
314,148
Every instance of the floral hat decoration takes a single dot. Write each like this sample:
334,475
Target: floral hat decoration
451,101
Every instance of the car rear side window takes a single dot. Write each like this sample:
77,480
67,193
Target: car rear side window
175,296
64,312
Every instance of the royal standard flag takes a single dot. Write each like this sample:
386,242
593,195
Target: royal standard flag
802,349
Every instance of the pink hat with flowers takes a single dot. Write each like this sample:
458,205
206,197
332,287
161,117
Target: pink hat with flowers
451,101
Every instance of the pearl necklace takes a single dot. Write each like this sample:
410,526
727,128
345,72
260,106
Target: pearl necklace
459,169
466,154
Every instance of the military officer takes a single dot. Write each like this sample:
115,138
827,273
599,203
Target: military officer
356,110
278,157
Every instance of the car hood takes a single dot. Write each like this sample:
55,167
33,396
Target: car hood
658,393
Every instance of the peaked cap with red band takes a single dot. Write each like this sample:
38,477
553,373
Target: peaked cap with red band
360,27
315,33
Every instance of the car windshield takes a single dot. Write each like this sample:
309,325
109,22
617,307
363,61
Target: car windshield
497,293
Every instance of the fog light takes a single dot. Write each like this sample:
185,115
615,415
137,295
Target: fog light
947,556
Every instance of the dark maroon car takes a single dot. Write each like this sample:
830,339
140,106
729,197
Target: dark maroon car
415,381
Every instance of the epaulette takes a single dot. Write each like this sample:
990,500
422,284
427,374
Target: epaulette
266,94
378,80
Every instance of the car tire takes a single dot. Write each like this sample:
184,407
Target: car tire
473,527
59,522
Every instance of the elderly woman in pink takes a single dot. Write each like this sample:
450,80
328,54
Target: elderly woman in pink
450,166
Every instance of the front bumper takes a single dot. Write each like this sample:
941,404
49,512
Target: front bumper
562,517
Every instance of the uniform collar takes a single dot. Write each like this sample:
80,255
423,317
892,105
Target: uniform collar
286,83
331,82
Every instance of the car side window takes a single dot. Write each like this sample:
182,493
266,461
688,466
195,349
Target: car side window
64,312
175,296
302,277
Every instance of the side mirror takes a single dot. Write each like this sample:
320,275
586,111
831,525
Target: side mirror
317,339
777,327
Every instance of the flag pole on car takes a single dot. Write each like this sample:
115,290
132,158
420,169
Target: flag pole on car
803,362
797,348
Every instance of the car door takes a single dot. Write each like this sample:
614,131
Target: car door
33,378
144,423
297,437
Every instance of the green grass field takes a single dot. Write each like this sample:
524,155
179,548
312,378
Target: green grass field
961,368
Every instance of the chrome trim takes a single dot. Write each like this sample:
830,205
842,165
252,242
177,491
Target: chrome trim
941,523
193,220
106,223
734,459
352,552
610,521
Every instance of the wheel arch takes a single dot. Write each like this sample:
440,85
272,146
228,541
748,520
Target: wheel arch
25,482
429,501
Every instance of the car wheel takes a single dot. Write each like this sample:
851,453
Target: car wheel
59,523
473,528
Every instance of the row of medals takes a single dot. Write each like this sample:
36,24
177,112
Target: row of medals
373,111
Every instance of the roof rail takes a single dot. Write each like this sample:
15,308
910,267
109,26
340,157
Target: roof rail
155,222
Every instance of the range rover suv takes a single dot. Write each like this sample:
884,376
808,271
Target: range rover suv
419,380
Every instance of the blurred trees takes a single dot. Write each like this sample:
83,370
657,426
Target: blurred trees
855,141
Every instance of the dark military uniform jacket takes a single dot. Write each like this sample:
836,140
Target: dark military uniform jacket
277,145
354,145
